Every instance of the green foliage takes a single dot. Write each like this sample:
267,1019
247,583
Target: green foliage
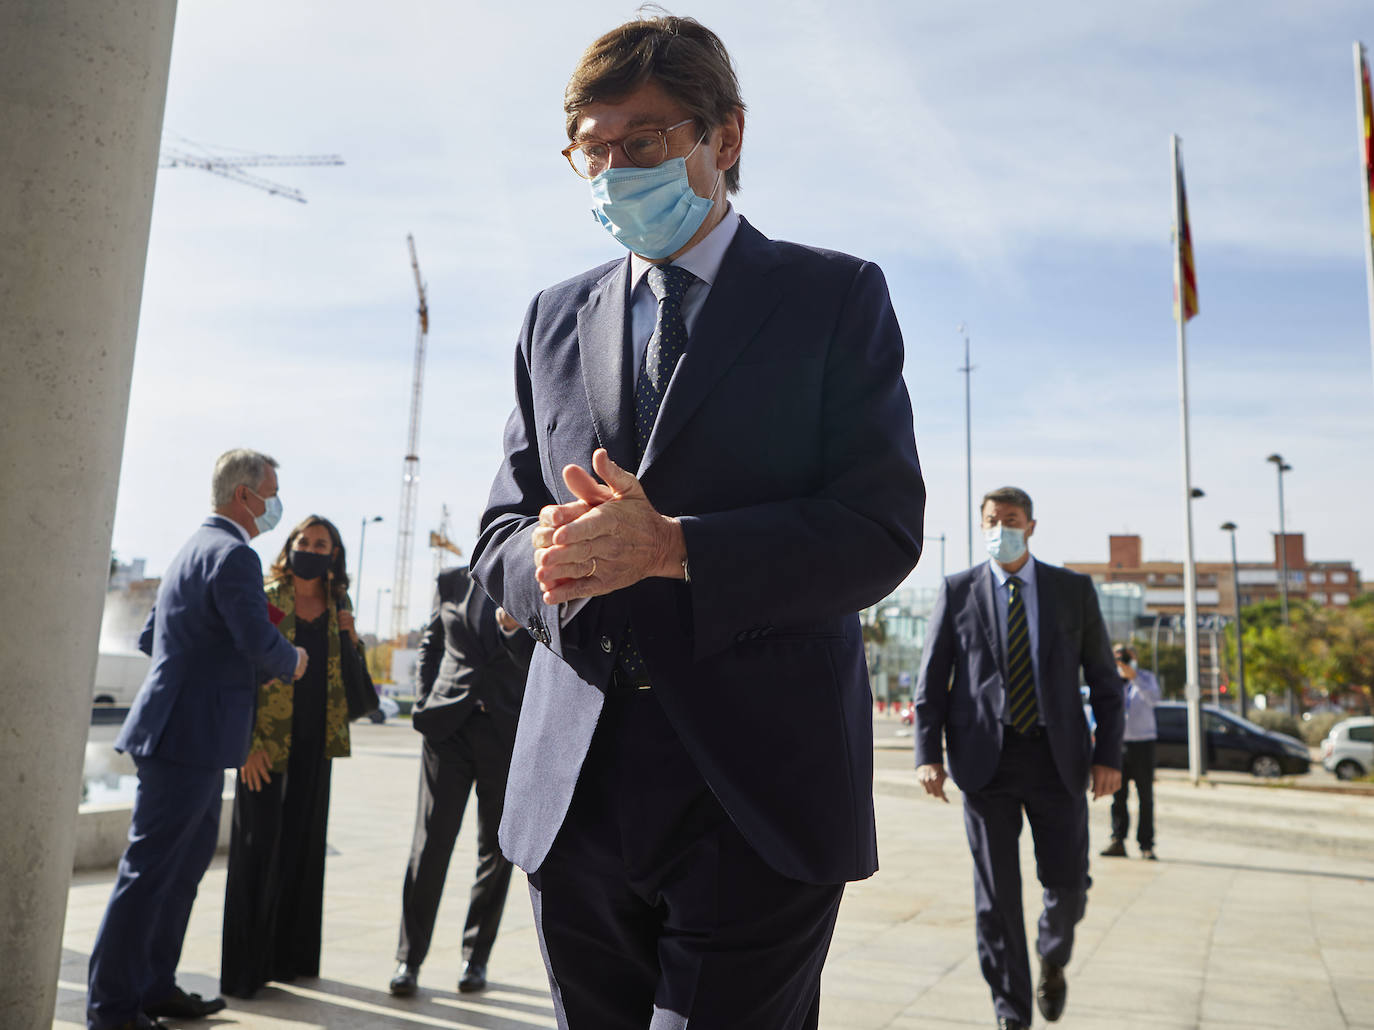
1326,650
1279,722
1173,665
1316,727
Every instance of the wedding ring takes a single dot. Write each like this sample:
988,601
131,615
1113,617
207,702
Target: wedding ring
593,572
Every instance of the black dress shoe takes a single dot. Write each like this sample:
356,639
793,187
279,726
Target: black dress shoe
405,981
1116,849
1003,1023
180,1005
474,978
1148,854
1051,991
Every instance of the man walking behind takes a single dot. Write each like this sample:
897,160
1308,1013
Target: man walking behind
999,683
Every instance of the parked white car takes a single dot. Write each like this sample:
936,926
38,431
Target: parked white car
1348,750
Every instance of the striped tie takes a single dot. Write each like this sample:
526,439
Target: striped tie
1021,707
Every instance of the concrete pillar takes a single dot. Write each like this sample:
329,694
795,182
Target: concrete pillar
82,88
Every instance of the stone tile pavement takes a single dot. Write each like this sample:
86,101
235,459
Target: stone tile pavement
1260,914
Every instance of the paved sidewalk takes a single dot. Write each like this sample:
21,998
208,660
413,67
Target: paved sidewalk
1261,914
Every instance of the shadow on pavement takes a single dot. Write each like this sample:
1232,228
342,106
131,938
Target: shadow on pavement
529,1009
1357,877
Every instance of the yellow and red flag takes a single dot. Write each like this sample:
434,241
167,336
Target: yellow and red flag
1184,241
1367,143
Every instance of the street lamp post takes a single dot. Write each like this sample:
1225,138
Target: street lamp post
968,436
1280,466
358,580
1230,527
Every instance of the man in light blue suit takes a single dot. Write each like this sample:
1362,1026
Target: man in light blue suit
999,682
211,639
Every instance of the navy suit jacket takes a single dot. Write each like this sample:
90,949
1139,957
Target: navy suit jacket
784,444
208,635
465,660
962,689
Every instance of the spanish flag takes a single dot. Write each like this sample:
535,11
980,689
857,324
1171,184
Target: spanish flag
1183,238
1367,141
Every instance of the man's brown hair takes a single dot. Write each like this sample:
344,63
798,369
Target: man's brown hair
683,56
1009,495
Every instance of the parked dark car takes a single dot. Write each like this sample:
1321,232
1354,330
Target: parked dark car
1230,743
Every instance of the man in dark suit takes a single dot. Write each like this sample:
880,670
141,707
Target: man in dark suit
999,681
473,658
210,639
692,779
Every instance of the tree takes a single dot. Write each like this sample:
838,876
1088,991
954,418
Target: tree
1173,665
1343,654
1275,662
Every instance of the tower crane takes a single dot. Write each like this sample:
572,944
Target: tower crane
231,164
441,545
410,475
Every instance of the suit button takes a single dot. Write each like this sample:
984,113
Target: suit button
606,645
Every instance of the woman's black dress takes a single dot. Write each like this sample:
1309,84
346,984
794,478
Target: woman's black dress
274,896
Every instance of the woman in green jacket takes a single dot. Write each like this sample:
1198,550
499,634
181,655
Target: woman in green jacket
274,895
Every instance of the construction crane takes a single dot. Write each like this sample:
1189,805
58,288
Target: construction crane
230,164
410,476
441,545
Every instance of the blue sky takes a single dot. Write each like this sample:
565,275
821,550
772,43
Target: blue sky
1007,166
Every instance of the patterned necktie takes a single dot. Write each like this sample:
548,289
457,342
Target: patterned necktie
1021,707
669,285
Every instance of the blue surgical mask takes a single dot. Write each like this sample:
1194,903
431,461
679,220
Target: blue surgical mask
267,521
1004,543
652,211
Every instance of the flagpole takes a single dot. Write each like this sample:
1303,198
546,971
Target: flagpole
1363,117
1192,693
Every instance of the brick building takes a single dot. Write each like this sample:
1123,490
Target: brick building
1329,583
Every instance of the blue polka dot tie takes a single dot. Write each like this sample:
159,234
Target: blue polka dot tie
669,285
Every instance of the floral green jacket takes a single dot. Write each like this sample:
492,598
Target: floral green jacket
272,731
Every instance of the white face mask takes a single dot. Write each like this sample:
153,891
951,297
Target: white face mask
1005,544
271,515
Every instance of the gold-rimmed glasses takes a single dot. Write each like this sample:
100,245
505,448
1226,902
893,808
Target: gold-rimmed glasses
644,148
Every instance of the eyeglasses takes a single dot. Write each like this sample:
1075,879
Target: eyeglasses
645,148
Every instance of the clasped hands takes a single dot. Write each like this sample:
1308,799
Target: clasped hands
610,537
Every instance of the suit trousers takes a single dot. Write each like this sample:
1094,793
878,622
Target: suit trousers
653,911
1138,764
1026,779
172,837
476,753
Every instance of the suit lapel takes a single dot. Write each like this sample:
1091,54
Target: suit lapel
603,341
741,299
986,606
1046,601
